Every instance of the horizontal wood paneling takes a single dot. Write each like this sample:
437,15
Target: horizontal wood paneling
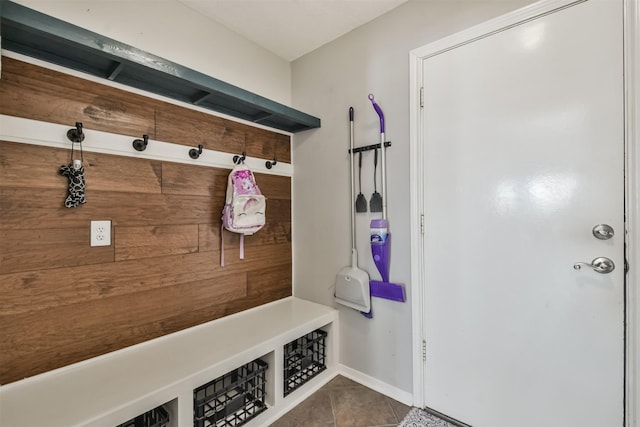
24,208
63,301
265,283
44,289
274,186
27,249
266,145
38,339
279,209
32,92
195,180
274,232
40,208
194,127
22,166
178,124
155,240
41,94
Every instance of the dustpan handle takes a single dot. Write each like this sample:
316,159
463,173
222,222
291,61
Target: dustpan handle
353,191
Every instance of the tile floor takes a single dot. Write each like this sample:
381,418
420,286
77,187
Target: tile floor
345,403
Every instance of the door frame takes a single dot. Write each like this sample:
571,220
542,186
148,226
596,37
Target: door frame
631,41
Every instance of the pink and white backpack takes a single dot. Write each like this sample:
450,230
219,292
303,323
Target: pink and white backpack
244,209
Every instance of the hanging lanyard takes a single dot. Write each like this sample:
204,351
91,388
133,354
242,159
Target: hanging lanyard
77,163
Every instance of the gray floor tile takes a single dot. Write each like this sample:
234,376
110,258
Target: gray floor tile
341,382
345,403
315,411
362,408
400,409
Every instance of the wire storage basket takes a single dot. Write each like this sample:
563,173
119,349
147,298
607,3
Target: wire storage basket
157,417
232,399
304,358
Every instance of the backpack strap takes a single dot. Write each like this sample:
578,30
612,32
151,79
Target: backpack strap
222,246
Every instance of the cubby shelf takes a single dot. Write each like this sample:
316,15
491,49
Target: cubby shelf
41,36
116,387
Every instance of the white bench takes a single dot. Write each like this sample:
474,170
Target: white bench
111,389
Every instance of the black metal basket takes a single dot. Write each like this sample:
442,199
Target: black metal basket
232,399
156,417
304,358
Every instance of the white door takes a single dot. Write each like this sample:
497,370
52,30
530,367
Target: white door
523,156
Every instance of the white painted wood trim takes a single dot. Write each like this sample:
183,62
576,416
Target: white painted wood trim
632,135
107,82
485,29
377,385
416,201
632,120
27,131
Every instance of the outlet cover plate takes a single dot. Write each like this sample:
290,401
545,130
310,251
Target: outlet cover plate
100,233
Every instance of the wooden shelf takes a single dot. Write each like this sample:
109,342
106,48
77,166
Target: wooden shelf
41,36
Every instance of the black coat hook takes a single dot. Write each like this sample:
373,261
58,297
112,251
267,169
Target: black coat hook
141,144
271,163
239,159
76,135
194,154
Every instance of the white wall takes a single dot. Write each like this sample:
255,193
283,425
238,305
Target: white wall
371,59
171,30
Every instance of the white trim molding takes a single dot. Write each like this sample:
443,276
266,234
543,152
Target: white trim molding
488,28
632,205
416,223
27,131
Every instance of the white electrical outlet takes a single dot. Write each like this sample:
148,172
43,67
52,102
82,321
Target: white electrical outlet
100,233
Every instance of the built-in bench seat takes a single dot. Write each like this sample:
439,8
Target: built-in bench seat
111,389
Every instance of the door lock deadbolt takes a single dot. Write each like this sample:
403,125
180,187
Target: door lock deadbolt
603,232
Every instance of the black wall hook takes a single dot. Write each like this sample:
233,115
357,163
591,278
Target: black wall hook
141,144
194,154
239,159
271,163
76,135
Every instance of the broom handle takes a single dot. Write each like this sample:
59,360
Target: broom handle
353,222
383,159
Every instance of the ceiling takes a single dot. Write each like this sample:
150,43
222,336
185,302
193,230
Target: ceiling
292,28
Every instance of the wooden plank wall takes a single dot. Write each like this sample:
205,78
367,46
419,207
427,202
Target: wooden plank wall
62,301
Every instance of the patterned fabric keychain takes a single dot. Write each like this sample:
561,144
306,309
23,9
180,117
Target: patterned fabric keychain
75,172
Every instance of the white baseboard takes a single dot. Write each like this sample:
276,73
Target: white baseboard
377,385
